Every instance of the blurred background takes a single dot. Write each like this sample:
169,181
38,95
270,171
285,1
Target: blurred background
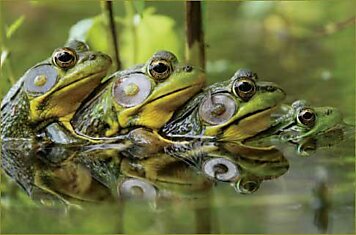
307,47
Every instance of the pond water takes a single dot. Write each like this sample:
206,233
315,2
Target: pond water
305,47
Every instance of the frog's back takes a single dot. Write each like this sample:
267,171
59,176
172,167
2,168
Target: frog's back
14,114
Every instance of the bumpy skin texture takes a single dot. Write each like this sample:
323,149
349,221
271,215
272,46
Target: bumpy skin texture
14,118
93,117
102,115
189,122
51,90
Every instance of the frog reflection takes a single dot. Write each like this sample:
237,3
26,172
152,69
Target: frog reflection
50,176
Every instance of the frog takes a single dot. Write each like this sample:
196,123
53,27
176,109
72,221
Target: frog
301,120
143,96
302,124
52,90
228,112
231,110
50,175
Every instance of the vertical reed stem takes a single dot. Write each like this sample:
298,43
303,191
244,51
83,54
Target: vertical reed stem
195,50
107,7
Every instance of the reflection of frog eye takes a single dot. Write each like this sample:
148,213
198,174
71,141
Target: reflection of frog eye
307,117
217,109
244,88
160,69
132,90
135,188
40,79
65,57
247,186
220,169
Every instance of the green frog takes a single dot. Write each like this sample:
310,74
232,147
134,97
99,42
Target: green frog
230,111
302,120
52,90
144,96
303,125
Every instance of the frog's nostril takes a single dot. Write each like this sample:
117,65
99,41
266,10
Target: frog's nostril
328,112
187,68
92,57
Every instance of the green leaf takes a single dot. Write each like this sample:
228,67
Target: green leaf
139,44
92,31
80,30
139,6
14,26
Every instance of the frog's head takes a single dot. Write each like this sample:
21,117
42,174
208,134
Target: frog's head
57,86
241,108
150,96
305,121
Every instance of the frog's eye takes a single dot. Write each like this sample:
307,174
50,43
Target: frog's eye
40,79
217,109
244,88
64,58
220,169
307,117
132,90
247,186
131,188
160,69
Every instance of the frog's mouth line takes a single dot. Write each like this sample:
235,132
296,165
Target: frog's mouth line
84,79
173,92
249,115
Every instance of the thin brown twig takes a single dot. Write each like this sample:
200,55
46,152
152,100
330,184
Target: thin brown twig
108,6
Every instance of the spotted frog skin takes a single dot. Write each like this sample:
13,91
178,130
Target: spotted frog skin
52,90
145,96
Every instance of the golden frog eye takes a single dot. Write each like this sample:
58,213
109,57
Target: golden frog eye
217,109
244,88
40,79
220,169
160,69
307,117
65,57
132,90
133,188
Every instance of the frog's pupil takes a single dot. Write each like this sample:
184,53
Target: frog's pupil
65,57
308,115
160,68
250,186
245,87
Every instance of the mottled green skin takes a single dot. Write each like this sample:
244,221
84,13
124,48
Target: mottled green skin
14,118
93,116
24,113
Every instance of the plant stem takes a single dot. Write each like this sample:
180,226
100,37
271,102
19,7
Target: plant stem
195,48
109,14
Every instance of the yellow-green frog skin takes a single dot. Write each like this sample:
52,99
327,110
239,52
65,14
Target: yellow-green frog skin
52,90
145,96
231,111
